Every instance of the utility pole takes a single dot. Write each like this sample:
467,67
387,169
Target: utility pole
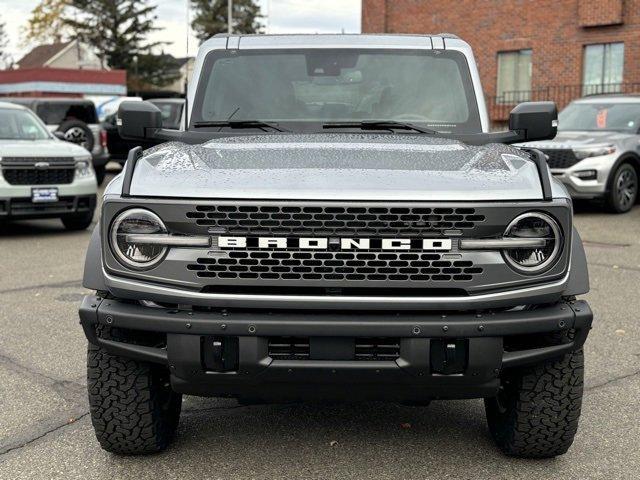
229,16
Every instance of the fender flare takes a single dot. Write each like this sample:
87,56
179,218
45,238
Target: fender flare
93,279
579,272
627,157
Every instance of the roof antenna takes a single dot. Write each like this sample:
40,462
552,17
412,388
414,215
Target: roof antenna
186,77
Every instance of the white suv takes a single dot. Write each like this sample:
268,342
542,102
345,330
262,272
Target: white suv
42,176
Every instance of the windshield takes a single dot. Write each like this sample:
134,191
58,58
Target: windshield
54,113
20,125
429,88
171,113
620,117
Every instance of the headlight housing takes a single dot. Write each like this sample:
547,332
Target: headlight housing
83,168
534,225
593,151
133,255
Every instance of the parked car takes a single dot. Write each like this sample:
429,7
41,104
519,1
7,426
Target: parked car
337,222
171,109
42,176
596,153
77,120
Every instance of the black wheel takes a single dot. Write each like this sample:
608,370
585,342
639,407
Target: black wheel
536,413
100,174
76,131
133,409
78,221
623,189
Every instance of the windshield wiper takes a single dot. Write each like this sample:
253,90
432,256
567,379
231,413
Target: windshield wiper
380,125
241,124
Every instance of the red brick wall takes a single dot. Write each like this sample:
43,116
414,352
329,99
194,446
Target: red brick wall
550,28
115,77
594,13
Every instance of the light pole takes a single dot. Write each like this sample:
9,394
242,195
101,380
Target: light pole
229,16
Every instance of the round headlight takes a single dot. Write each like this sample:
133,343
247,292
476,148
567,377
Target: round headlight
137,255
538,226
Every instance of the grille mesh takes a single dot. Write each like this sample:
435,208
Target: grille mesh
22,176
335,266
324,221
560,158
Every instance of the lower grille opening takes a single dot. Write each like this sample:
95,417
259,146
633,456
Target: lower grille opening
381,349
361,349
342,292
289,348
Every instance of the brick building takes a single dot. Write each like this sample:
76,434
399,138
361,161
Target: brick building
529,49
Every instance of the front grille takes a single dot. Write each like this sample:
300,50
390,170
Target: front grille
373,266
560,158
331,220
23,176
23,171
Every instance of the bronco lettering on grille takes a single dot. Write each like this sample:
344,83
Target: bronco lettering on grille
324,243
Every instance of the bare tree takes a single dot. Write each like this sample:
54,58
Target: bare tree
6,60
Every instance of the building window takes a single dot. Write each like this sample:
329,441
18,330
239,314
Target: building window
514,76
603,68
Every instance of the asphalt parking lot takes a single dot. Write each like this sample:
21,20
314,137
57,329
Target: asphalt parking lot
45,431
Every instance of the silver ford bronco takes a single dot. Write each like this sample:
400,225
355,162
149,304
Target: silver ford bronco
335,222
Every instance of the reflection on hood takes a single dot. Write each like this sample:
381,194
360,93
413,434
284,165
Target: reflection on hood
337,166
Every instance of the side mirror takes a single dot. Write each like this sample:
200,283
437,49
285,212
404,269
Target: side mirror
534,120
60,135
138,120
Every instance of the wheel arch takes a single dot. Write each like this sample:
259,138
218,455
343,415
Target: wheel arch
629,157
579,272
93,277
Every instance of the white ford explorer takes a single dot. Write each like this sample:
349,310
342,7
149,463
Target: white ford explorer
42,176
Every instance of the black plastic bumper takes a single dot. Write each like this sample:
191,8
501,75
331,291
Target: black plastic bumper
411,376
24,208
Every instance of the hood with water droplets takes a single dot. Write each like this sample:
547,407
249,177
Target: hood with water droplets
337,167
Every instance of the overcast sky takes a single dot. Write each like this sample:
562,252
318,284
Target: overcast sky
282,16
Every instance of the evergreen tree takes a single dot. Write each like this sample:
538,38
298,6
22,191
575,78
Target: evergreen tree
210,17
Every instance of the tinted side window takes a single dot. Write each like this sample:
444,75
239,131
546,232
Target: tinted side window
56,113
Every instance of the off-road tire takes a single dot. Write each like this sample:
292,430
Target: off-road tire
78,221
536,413
132,407
623,189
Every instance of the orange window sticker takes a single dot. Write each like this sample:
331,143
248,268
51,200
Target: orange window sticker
601,118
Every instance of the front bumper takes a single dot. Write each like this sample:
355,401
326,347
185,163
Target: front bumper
76,197
22,208
587,189
486,344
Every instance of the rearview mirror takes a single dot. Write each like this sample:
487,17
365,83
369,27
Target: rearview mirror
534,120
138,120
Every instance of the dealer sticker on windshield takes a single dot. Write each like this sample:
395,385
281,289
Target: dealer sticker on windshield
44,195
